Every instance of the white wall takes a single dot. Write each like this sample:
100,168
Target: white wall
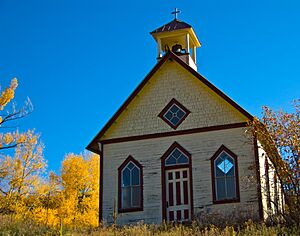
202,146
262,161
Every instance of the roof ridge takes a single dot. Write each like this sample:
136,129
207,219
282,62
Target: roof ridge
172,25
168,55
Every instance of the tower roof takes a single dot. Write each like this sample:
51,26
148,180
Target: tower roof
173,25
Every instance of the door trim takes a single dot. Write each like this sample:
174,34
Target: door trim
163,177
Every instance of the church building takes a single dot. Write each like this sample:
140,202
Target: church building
177,150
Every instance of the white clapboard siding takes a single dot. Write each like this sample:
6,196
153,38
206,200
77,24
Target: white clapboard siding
201,146
269,212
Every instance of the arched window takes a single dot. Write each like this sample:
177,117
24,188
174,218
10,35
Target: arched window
176,157
130,186
224,176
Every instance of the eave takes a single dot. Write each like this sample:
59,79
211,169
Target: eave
93,145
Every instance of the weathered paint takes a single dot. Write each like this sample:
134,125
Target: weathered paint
271,172
173,81
201,146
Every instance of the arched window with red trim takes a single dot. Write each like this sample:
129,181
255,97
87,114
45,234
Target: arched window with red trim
225,178
130,186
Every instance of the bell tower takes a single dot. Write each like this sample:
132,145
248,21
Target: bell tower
178,37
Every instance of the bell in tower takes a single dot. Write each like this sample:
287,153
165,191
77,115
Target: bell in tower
177,49
178,37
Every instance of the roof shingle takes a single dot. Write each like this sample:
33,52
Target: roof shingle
93,145
173,25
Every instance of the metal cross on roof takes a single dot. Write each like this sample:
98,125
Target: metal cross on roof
175,13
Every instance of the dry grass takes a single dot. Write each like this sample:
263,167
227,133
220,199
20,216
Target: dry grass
8,226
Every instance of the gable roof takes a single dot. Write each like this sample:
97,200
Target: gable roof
173,25
93,146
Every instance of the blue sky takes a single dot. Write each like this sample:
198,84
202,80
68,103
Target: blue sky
79,60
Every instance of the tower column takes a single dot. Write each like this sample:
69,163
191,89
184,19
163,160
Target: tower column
194,54
187,43
159,50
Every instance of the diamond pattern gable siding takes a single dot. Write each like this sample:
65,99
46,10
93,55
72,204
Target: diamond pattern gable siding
172,81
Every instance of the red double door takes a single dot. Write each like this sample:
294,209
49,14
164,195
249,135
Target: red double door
178,206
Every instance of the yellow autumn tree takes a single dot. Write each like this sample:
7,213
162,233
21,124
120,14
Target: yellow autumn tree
80,194
21,174
11,138
68,200
8,94
21,155
48,201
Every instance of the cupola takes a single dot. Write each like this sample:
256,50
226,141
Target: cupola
178,37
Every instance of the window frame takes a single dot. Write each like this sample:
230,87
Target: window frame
222,149
120,170
167,107
182,152
267,179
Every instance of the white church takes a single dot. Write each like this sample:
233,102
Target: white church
177,150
